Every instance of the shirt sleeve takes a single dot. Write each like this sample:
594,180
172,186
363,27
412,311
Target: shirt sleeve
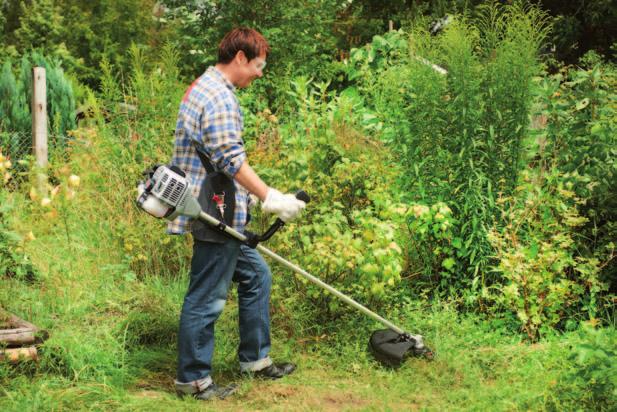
222,136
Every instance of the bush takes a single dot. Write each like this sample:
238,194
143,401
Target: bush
16,123
351,235
547,280
460,136
580,137
591,382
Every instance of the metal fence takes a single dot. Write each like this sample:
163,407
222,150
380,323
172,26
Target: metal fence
19,145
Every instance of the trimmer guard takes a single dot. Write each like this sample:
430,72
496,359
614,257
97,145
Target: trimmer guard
391,348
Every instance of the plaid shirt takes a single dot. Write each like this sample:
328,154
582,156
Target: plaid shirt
211,115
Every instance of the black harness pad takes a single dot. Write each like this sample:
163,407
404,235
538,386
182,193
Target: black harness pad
215,183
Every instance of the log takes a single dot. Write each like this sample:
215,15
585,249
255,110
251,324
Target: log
21,333
19,354
20,336
20,323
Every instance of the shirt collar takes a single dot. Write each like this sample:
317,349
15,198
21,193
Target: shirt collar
220,76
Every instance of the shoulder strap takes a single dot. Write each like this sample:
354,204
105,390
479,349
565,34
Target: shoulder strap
204,157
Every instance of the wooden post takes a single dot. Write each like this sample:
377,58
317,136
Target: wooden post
39,116
391,25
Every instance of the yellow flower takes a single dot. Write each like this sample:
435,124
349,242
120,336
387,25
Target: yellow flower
29,236
45,202
74,181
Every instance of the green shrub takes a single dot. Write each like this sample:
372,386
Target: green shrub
590,382
547,280
352,233
434,246
580,137
14,261
16,123
460,136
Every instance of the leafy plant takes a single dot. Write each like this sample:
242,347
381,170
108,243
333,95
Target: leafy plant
460,135
590,382
434,247
547,281
14,262
580,137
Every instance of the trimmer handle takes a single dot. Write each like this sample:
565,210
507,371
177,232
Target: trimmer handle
278,223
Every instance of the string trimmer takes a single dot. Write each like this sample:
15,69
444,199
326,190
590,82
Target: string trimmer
166,193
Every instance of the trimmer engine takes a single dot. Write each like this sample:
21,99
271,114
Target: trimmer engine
166,193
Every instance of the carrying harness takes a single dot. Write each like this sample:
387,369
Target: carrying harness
217,197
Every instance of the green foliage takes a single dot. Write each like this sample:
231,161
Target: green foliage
352,234
14,262
580,137
370,61
139,133
547,280
16,123
434,247
590,382
40,25
582,26
14,111
460,135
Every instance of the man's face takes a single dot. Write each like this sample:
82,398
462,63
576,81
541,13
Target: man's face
250,69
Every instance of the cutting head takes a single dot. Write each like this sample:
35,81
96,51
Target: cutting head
391,348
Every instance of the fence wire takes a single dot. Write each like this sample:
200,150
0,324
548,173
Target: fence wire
19,146
17,156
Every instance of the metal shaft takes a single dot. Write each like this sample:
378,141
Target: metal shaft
212,221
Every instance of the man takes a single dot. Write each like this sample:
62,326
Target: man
210,122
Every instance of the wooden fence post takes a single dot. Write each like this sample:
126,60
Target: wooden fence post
39,116
390,25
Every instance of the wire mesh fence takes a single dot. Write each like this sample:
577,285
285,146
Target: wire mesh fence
19,145
17,156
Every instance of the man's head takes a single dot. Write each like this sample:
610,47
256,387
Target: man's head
242,55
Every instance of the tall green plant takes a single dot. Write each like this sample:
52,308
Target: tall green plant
461,135
580,137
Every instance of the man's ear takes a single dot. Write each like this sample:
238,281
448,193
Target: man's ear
241,57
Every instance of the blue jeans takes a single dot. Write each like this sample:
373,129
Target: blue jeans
213,267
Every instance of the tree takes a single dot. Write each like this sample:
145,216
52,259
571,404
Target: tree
40,26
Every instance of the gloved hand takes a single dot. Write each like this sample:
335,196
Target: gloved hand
287,207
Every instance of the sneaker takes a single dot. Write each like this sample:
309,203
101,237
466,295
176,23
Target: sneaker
214,391
274,371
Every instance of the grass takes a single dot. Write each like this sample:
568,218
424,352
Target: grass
112,343
112,347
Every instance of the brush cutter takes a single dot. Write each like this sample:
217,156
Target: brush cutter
166,193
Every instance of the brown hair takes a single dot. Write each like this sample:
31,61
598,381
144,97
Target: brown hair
250,41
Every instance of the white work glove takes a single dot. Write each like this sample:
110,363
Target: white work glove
287,207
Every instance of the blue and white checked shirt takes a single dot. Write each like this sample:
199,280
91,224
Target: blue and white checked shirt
210,113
